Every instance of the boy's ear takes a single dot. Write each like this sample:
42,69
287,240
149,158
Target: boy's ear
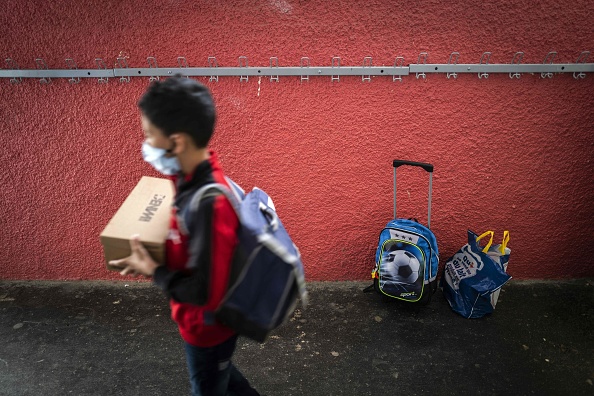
182,142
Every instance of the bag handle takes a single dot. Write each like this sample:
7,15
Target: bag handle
504,242
427,167
484,234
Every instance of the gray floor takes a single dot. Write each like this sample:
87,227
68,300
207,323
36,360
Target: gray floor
107,338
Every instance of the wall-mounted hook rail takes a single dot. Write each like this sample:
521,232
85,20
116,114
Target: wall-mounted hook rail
503,68
304,71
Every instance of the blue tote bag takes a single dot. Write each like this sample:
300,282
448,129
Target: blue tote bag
474,275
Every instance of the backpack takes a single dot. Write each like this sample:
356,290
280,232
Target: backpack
406,261
267,276
406,258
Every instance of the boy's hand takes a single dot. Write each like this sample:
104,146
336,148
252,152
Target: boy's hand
139,262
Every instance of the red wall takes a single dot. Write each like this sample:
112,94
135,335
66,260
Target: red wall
508,154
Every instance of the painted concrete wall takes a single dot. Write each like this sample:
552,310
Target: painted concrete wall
508,154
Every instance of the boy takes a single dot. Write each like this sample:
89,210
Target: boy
178,117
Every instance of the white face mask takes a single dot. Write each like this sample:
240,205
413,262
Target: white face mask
158,159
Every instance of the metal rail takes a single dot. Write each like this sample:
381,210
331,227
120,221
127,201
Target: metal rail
452,69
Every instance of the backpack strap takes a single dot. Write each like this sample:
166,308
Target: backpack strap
238,191
234,193
206,191
212,190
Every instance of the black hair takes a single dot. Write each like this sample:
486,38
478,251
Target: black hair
179,104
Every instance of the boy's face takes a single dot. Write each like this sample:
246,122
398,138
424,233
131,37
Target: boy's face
154,136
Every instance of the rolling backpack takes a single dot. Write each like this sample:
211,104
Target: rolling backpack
406,258
267,278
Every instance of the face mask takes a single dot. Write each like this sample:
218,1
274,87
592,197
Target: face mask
158,159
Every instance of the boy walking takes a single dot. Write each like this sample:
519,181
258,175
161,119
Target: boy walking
178,117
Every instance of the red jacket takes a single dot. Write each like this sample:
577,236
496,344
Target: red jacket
199,260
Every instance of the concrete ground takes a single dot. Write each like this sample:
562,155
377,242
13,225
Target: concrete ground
116,338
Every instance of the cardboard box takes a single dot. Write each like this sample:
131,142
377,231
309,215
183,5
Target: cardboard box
146,212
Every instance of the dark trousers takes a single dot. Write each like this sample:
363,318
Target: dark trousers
213,374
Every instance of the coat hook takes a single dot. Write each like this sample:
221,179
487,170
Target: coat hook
516,60
274,63
123,64
182,63
398,62
581,59
212,62
485,57
152,62
304,62
243,62
335,64
13,66
41,65
454,56
101,66
72,66
367,61
548,60
423,56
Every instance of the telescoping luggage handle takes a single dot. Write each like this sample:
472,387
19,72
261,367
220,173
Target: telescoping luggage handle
428,168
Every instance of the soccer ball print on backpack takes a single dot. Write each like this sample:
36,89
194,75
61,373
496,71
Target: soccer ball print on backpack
401,266
406,258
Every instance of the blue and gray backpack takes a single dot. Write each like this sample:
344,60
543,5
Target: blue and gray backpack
267,277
